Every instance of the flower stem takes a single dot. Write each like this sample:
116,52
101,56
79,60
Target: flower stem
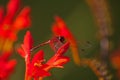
26,76
27,60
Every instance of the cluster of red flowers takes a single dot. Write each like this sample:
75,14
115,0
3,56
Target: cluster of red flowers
6,66
10,25
36,67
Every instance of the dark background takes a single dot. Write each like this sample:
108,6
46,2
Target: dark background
79,19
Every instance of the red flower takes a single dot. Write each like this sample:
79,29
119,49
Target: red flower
11,25
23,19
59,28
58,59
24,51
6,66
12,8
36,68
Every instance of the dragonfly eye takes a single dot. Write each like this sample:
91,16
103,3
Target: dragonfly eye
61,38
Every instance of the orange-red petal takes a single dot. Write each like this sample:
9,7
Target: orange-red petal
21,52
28,41
59,28
38,57
12,7
23,19
59,55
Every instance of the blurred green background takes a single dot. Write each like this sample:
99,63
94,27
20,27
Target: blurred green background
79,19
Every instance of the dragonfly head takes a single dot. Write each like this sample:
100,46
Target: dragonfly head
61,38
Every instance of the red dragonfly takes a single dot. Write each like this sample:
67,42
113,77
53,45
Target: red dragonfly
55,43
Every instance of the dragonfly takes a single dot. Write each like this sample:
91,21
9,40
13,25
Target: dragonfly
55,43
